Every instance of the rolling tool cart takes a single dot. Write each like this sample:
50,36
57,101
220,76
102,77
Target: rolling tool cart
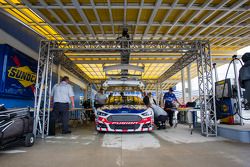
16,126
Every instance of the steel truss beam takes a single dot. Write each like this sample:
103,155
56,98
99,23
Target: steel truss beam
127,45
191,51
44,84
43,90
205,80
206,91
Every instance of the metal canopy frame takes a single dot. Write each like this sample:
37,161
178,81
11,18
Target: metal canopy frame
190,50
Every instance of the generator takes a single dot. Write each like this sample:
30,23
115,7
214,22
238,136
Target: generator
227,102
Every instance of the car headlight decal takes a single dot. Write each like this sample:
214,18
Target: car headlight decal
100,113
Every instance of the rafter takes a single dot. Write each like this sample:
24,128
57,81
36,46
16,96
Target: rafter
84,17
44,18
98,18
134,6
138,16
195,14
70,17
36,23
221,15
55,16
233,17
151,19
111,17
173,5
179,17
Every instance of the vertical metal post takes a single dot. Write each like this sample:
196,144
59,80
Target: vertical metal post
189,83
157,93
215,72
86,93
238,89
43,90
161,95
206,90
183,86
59,66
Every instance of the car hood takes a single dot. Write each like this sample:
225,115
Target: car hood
124,109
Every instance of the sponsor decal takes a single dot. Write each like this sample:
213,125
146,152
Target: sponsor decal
123,123
23,74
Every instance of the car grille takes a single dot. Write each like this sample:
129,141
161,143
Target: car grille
124,118
135,126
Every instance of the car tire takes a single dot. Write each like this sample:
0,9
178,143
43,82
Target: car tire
29,140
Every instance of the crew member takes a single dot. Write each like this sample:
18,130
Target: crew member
100,98
169,99
151,99
62,96
160,116
244,76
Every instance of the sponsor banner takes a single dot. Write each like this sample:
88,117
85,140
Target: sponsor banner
17,73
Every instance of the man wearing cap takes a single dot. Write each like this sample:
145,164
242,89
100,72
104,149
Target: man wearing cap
62,96
169,99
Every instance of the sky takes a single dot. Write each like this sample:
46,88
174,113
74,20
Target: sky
221,71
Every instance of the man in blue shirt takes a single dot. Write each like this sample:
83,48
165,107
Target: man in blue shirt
169,99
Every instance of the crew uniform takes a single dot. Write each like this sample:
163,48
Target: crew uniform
169,98
61,96
244,76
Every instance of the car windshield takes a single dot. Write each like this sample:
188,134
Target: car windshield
124,100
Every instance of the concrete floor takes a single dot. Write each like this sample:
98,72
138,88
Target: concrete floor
171,147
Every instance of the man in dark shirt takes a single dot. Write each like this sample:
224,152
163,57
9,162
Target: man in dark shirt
169,99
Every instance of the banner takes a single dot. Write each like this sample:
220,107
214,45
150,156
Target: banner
17,73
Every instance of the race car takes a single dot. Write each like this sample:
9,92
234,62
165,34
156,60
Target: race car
124,114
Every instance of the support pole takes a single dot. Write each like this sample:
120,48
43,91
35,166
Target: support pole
157,93
183,86
86,94
189,83
215,72
206,90
59,67
161,95
238,89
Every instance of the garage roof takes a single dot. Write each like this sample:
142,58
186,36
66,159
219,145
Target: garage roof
225,23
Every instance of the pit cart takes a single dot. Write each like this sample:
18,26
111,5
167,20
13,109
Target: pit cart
16,125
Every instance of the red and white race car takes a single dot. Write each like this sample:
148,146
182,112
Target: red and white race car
124,114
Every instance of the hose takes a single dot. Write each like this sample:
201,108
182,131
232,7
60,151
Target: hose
224,85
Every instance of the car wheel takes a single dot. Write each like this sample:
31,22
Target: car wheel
29,140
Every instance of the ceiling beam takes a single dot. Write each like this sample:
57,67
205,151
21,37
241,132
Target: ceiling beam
84,17
138,17
98,18
195,14
57,17
232,17
136,61
111,17
134,6
44,18
133,57
151,19
70,17
36,23
178,18
236,5
132,23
